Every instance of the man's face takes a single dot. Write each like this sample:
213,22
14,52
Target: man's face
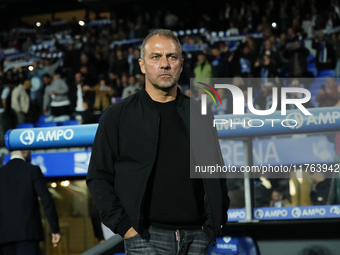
162,64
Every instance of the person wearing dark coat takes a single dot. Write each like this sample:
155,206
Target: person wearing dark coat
21,184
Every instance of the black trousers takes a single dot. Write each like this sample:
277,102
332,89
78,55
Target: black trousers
20,248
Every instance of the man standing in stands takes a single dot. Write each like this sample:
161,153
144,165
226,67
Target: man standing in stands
20,222
139,170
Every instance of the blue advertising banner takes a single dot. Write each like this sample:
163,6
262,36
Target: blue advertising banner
50,137
236,214
311,149
61,164
301,212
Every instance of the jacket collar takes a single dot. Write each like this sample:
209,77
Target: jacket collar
147,99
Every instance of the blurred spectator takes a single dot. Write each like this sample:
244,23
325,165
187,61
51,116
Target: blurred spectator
134,65
203,68
240,62
131,88
269,50
120,64
265,68
227,103
60,103
102,66
170,20
103,95
221,68
76,94
26,46
327,96
91,72
20,102
297,55
232,29
4,95
245,95
296,84
336,8
87,116
335,41
325,53
50,67
277,200
8,118
307,26
320,189
47,80
264,100
283,22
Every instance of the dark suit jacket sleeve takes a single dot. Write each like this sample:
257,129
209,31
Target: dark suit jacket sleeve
101,176
46,199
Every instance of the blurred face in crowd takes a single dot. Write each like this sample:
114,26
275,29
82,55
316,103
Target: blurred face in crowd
77,77
215,52
276,196
330,83
102,83
83,58
267,45
295,83
201,58
132,80
162,63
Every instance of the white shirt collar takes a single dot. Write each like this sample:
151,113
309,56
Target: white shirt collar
18,157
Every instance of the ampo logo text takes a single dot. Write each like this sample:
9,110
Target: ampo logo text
27,137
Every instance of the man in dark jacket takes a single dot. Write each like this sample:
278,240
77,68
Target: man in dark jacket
139,170
20,222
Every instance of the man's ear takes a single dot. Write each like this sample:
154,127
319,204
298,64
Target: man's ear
142,65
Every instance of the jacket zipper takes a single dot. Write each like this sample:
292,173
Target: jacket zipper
142,201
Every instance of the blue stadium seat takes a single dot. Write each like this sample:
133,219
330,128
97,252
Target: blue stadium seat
311,60
43,117
46,124
25,125
313,70
234,238
327,73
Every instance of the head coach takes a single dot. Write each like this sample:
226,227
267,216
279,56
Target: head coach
139,170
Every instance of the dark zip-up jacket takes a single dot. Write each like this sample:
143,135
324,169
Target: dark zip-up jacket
123,156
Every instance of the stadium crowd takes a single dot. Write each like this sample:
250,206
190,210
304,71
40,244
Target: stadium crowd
85,68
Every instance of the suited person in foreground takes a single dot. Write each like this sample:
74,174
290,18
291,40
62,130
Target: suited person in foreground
20,221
